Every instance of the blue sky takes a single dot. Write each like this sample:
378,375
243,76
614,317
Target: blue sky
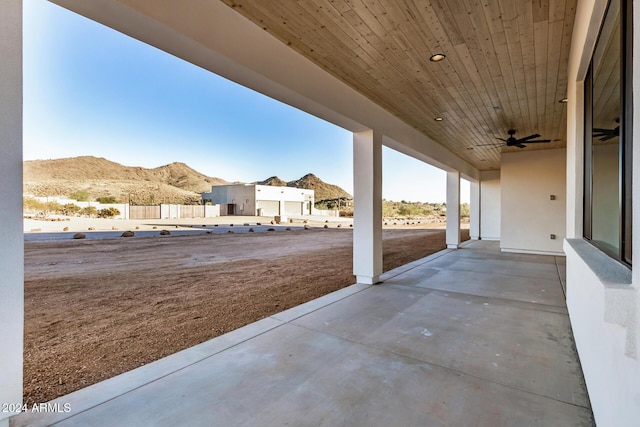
89,90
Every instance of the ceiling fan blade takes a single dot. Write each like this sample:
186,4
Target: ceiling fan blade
616,130
488,145
526,138
607,137
606,134
502,139
534,142
519,145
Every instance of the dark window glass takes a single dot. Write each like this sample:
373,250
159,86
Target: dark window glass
605,148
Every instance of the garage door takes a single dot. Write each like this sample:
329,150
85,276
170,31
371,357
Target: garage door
293,208
268,207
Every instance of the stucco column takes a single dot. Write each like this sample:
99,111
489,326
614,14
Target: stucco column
453,209
11,233
474,219
367,210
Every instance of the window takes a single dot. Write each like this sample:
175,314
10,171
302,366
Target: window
608,130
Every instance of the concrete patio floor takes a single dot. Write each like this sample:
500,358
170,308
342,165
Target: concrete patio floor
467,337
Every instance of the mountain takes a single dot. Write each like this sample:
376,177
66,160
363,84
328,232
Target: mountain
274,181
98,177
323,191
182,176
91,178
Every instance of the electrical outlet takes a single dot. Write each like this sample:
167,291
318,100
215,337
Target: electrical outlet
552,237
552,197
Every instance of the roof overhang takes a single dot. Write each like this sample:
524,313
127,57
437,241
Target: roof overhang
271,59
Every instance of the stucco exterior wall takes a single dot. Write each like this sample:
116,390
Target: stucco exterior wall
529,217
289,194
490,205
266,200
602,307
602,295
242,196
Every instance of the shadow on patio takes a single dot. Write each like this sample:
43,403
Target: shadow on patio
464,337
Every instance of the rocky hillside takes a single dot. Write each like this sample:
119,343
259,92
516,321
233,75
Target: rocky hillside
94,177
274,181
90,178
323,191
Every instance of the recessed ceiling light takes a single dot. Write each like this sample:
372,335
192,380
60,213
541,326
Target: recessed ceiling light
437,57
438,119
563,101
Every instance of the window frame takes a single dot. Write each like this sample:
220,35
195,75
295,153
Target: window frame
625,168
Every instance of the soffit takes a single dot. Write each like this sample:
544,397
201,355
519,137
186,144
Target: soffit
505,67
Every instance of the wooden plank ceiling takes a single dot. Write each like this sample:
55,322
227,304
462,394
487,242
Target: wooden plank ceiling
505,66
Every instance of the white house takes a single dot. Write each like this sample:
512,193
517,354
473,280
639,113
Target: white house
260,200
438,81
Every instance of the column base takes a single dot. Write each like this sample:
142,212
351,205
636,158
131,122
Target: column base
368,280
452,246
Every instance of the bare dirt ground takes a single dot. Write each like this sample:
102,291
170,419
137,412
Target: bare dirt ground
97,308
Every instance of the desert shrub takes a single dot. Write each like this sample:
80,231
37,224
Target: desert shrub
388,208
80,195
346,212
192,201
70,209
107,200
89,211
465,210
427,210
108,212
53,207
42,208
408,209
31,204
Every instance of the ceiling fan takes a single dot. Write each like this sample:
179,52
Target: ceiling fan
512,141
606,134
